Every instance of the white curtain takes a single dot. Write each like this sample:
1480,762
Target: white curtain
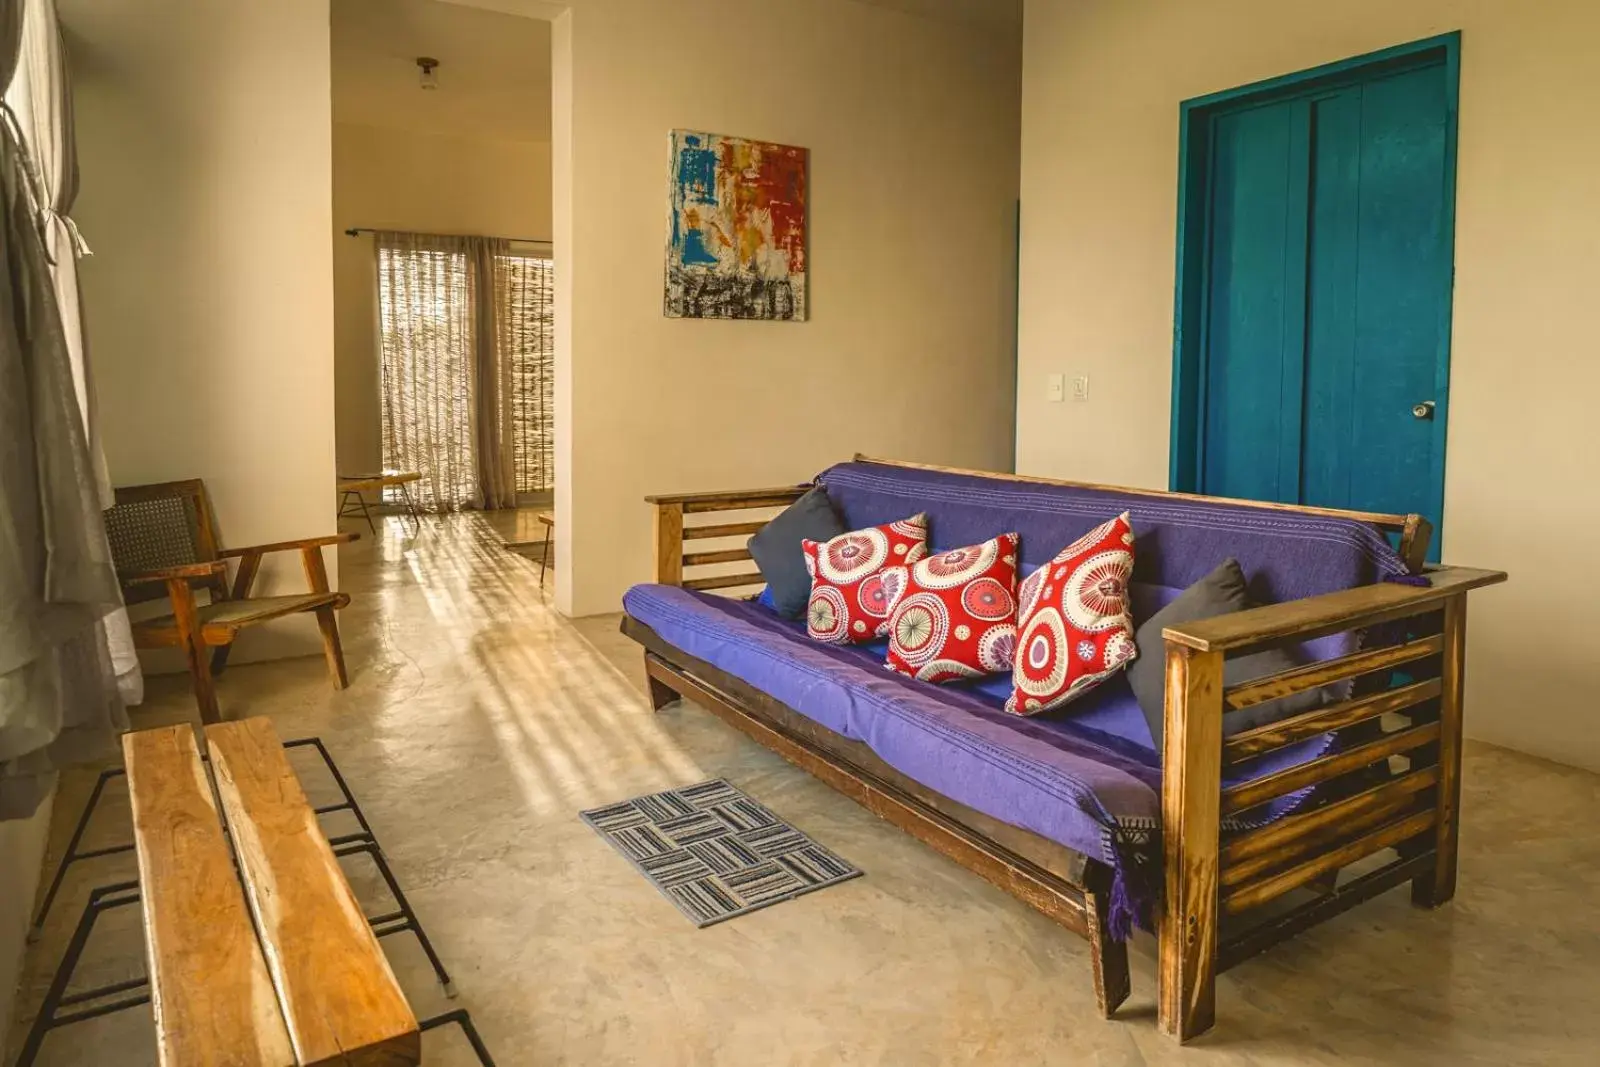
40,101
59,701
466,338
426,328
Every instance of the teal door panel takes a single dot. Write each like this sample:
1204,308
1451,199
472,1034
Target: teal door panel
1256,308
1402,291
1331,316
1327,295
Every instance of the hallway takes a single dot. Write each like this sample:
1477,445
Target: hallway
479,721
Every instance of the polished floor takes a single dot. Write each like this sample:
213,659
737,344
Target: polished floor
479,722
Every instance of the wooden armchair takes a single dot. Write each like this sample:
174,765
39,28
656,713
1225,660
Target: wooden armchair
165,544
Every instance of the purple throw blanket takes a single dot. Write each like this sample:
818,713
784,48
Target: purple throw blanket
1086,777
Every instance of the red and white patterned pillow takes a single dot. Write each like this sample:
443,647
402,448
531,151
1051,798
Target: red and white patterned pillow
1074,628
958,616
857,577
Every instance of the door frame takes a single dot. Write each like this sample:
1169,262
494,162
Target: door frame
1189,325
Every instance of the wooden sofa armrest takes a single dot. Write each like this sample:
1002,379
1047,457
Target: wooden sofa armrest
671,533
1302,620
1205,877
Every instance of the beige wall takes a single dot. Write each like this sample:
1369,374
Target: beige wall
203,144
405,180
1102,85
912,128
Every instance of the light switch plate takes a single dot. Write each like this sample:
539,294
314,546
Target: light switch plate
1080,387
1055,388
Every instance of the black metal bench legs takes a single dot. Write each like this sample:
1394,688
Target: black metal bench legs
102,899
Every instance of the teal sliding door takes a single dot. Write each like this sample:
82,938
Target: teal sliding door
1314,287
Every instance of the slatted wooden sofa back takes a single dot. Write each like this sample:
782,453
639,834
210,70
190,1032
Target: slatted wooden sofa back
1217,885
210,990
339,999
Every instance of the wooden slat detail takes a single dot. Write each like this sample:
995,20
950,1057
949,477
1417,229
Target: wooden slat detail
722,529
730,555
1190,822
776,499
1248,743
339,997
1258,938
1377,518
669,544
1440,885
1285,832
1303,620
1314,772
728,499
1273,886
212,997
1313,675
1311,844
724,581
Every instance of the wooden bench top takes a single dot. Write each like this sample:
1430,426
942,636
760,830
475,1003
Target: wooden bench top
210,991
338,996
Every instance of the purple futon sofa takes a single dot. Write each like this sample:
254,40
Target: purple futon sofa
1072,810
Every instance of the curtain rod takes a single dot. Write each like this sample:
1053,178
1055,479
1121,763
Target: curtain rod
356,231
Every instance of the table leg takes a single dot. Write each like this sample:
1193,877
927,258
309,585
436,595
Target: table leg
411,507
544,557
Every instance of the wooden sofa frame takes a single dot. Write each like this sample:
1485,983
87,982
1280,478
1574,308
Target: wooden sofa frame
1225,894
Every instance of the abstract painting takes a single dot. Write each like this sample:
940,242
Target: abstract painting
736,240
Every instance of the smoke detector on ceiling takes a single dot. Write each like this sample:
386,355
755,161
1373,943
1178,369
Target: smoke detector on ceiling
426,65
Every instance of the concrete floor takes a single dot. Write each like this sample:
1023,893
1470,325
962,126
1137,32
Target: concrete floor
479,722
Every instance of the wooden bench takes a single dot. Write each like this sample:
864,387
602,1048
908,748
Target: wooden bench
338,996
210,990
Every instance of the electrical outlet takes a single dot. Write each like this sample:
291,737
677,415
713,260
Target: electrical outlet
1055,388
1080,387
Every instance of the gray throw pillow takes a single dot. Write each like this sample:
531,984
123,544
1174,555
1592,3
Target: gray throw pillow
1218,593
776,549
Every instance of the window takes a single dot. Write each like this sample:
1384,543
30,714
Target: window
427,292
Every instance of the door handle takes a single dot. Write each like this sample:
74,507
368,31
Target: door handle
1423,410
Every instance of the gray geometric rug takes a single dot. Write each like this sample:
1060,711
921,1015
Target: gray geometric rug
716,853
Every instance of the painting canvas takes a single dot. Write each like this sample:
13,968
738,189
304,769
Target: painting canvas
736,242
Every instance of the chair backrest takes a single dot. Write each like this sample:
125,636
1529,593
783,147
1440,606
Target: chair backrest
162,525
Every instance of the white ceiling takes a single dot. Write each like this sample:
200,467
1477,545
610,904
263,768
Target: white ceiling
494,69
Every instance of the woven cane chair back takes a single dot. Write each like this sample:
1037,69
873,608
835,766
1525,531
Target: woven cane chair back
162,525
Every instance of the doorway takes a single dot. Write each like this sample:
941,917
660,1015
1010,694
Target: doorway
1315,268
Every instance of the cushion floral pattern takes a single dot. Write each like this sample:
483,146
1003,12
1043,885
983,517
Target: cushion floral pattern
958,615
857,577
1074,628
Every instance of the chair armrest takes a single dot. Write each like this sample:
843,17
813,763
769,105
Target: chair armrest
183,571
284,546
1303,620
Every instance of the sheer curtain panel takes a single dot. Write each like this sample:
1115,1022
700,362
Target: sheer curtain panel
465,337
